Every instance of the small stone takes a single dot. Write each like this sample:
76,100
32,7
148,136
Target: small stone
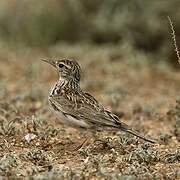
29,137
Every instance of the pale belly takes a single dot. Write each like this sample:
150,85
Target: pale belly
68,119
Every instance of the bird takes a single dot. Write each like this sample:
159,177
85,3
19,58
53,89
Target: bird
77,108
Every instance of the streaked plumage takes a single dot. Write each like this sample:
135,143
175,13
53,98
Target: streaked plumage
77,108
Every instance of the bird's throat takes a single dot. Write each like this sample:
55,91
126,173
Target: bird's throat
64,85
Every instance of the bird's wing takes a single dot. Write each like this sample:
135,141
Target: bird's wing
85,107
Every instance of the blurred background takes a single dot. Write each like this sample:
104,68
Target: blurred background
143,25
129,42
128,62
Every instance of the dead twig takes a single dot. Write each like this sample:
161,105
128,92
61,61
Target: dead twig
173,33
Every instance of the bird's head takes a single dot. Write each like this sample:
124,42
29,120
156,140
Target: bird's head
67,69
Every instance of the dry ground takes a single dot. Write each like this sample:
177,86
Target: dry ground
125,81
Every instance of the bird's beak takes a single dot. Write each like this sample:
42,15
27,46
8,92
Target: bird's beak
49,61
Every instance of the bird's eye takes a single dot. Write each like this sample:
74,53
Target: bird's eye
61,65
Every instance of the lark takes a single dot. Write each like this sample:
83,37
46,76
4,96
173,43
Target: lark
77,108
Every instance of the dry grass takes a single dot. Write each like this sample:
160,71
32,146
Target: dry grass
145,92
173,34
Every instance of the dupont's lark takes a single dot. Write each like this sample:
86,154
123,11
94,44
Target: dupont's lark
77,108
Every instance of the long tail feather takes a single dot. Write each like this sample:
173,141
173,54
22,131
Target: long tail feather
139,135
126,128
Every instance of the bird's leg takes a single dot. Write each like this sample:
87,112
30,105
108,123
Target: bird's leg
86,141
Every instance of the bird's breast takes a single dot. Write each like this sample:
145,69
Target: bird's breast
67,118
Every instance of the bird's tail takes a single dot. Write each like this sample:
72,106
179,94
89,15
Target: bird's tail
126,128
